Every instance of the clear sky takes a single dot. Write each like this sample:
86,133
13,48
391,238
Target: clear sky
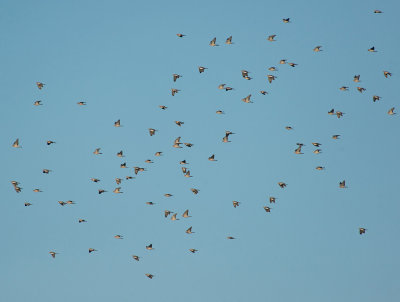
119,57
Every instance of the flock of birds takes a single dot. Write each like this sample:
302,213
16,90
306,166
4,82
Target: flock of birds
225,139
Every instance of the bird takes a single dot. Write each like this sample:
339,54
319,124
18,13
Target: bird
81,103
292,64
221,86
356,78
195,191
167,213
168,195
163,107
101,191
118,180
344,88
187,174
152,131
212,158
174,91
91,250
189,145
282,184
177,143
50,142
235,203
335,136
159,153
317,48
272,199
391,111
361,230
149,161
149,247
288,128
180,35
263,92
361,89
37,190
97,151
40,85
202,69
81,220
138,169
316,144
287,20
70,202
317,151
271,38
150,276
189,231
16,144
62,203
245,73
342,184
176,76
173,217
229,40
27,204
387,74
120,154
298,150
53,254
136,257
117,190
213,42
123,165
230,238
372,49
271,78
247,99
331,112
179,123
319,168
46,171
267,209
117,123
183,162
118,237
129,177
282,61
339,114
37,103
186,214
375,98
193,250
377,11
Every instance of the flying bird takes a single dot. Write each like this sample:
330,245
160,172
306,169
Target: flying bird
81,103
235,203
189,231
387,74
202,69
40,85
229,40
149,247
195,191
361,230
317,48
53,254
180,35
176,76
16,144
117,190
271,38
174,91
342,184
186,214
136,257
117,123
150,276
37,103
372,49
391,111
287,20
97,151
193,250
152,131
91,250
282,184
267,209
212,158
213,42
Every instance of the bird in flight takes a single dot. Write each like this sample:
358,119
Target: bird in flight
180,35
282,184
235,203
16,144
53,254
271,38
202,69
361,230
213,42
176,76
40,85
229,40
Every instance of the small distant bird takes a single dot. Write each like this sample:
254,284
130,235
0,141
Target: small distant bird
288,128
174,91
101,191
317,48
335,136
287,20
230,237
317,151
95,179
283,61
117,190
118,180
229,40
360,89
40,85
235,203
129,177
212,158
189,145
391,111
342,184
282,184
361,230
163,107
183,162
81,220
319,168
219,112
152,131
180,35
292,64
136,257
149,161
50,142
339,114
387,74
344,88
317,144
267,209
62,203
195,191
247,99
159,153
245,73
263,92
168,195
221,86
213,42
271,38
97,151
372,49
46,171
123,165
91,250
376,98
70,202
173,217
271,78
201,69
193,250
377,11
150,276
27,204
187,174
81,103
138,169
176,76
37,103
272,68
16,144
179,123
120,154
53,254
167,213
298,150
118,237
331,112
37,190
149,247
117,123
189,231
356,78
272,200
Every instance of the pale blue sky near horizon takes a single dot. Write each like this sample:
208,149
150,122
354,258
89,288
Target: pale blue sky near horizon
119,57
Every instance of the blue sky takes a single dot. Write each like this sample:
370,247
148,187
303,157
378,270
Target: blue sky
119,57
